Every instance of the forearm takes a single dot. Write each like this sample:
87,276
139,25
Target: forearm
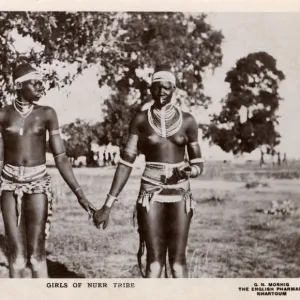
195,159
65,169
120,179
124,169
1,166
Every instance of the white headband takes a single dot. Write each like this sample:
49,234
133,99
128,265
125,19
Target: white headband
35,75
164,76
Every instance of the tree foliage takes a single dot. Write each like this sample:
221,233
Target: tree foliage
78,138
122,44
248,117
69,37
117,115
187,43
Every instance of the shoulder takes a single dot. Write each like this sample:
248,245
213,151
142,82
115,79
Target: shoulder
189,119
139,118
49,112
5,110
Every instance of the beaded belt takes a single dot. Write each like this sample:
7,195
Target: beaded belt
161,173
24,174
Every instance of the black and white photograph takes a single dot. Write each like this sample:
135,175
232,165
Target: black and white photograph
149,144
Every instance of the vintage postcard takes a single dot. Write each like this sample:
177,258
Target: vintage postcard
149,149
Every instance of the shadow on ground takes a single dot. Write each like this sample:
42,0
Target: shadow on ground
55,269
59,270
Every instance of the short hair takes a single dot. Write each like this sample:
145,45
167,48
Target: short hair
163,67
22,70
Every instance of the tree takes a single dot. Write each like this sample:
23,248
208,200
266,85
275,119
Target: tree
122,44
248,117
186,42
117,115
79,136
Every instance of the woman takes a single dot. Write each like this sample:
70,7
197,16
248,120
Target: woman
26,193
165,205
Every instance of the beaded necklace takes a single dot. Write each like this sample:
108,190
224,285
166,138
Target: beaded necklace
24,110
165,121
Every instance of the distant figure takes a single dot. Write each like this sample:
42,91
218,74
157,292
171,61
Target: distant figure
26,193
262,161
279,158
284,161
165,204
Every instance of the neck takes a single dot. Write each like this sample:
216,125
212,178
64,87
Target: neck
161,107
22,101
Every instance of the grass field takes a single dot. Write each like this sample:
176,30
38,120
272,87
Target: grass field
247,225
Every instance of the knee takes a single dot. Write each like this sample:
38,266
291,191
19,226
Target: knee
36,262
155,269
18,262
179,270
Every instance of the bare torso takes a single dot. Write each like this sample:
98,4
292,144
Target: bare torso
28,149
158,149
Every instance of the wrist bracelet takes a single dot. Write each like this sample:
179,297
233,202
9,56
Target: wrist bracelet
78,189
194,171
197,171
110,200
110,196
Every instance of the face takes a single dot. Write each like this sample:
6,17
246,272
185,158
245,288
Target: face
162,92
32,90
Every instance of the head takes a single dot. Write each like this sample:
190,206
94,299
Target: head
162,87
28,82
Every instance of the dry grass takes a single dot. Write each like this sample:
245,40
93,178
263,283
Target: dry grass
229,236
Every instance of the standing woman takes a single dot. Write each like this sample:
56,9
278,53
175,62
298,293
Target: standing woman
26,192
165,204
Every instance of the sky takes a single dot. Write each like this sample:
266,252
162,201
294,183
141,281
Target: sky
275,33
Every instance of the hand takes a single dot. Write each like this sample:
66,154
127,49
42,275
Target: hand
85,204
102,216
189,172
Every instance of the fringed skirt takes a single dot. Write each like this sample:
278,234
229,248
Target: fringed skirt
28,180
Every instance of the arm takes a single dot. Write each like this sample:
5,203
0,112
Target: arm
122,173
62,162
1,151
1,144
125,164
193,149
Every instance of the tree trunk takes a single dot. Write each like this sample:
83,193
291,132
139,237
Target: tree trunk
262,161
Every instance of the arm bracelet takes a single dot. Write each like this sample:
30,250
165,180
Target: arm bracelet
126,163
197,160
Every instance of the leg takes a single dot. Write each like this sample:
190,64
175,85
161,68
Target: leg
178,237
36,210
16,235
151,226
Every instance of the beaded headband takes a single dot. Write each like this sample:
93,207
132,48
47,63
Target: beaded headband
164,76
35,75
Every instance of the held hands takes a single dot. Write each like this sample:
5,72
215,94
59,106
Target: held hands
101,216
86,205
